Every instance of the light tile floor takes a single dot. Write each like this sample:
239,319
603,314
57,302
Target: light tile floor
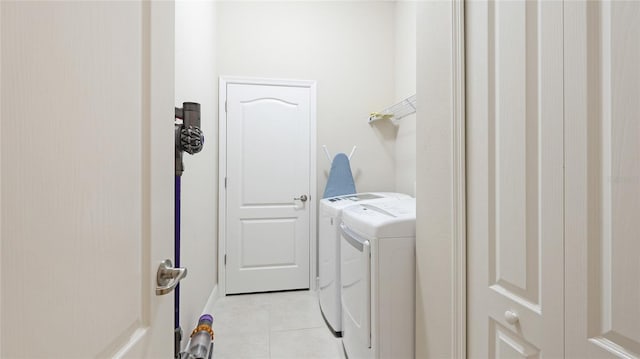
272,325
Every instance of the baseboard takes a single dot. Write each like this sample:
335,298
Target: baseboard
213,298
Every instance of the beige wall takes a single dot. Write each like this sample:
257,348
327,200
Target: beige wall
405,86
196,81
347,47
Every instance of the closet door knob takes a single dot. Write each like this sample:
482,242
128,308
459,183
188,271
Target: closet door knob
511,317
302,198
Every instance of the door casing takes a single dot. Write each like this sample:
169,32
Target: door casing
441,202
222,165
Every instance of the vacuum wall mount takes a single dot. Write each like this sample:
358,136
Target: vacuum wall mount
189,137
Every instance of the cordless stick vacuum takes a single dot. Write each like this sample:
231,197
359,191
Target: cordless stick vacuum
200,344
189,139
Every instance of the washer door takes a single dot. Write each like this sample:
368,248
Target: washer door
356,290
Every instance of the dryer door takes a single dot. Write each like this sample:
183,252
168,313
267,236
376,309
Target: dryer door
356,290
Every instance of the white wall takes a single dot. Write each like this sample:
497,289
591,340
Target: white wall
196,81
347,47
405,86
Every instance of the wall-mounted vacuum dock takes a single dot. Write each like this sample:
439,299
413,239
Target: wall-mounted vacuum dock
189,139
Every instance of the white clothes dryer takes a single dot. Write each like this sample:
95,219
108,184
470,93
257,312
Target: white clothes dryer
329,251
378,279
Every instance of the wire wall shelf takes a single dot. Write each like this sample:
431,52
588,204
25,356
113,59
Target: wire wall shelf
395,112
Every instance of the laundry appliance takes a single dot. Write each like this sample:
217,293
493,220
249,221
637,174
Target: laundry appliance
378,279
329,250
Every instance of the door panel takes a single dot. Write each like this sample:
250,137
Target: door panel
506,344
268,165
603,166
268,127
281,247
514,154
86,180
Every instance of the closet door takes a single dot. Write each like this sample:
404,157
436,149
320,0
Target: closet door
515,179
602,114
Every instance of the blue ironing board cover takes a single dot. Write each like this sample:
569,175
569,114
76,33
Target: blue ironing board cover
340,180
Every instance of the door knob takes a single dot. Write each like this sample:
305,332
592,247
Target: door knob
168,277
511,317
302,198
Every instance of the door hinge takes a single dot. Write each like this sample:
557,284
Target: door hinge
225,183
225,106
225,259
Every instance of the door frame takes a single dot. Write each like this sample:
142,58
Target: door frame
441,260
222,170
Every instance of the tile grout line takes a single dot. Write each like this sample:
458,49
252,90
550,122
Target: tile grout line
296,329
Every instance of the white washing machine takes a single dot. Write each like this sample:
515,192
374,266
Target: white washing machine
378,279
329,250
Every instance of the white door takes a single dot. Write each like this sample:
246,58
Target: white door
515,179
602,101
269,186
87,178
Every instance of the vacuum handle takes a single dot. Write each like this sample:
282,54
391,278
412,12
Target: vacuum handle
189,113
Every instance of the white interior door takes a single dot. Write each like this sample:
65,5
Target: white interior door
602,81
268,175
515,179
87,178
